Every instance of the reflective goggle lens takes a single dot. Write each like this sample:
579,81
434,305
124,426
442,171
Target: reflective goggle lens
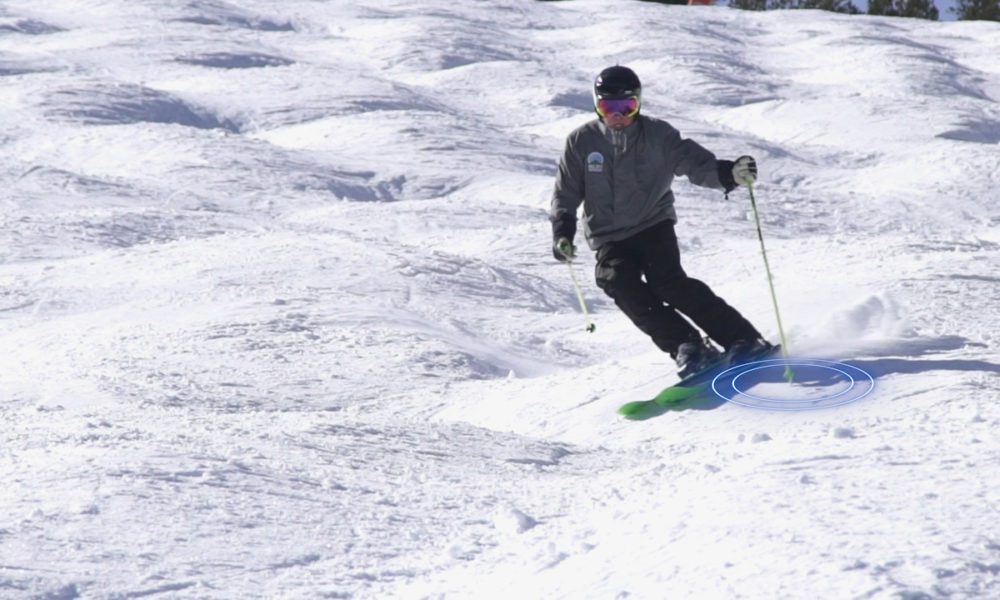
627,106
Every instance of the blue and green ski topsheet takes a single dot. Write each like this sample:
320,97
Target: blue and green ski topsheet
688,388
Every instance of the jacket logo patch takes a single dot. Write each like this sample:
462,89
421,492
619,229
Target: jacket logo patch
595,162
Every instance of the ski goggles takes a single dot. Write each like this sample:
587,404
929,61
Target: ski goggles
627,107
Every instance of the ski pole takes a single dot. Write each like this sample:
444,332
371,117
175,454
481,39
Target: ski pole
770,282
579,296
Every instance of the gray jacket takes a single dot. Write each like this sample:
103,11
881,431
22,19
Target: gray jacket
623,178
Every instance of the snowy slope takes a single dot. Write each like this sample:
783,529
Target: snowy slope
280,319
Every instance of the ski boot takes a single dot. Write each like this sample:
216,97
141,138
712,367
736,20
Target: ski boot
743,351
695,356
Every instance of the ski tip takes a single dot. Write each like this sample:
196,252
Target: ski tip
632,408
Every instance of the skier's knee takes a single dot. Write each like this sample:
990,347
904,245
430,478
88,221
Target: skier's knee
607,286
605,279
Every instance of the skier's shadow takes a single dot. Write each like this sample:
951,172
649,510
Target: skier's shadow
888,366
800,380
904,356
812,379
807,378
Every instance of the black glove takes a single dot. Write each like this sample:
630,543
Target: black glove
563,249
725,170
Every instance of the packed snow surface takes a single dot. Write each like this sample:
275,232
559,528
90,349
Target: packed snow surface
280,318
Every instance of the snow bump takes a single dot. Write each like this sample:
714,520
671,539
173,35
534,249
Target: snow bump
236,60
844,433
10,68
29,27
223,14
513,521
125,104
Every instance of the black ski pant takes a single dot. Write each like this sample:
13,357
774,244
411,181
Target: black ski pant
643,275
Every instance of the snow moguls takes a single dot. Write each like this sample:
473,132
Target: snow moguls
29,27
979,131
112,103
236,60
224,14
127,229
280,319
10,68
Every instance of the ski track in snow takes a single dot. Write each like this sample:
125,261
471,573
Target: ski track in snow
279,317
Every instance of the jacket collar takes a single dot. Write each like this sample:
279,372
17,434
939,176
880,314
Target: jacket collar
621,139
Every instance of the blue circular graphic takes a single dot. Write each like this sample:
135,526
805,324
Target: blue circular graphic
789,364
815,384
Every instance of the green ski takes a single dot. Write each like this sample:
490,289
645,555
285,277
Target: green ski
688,388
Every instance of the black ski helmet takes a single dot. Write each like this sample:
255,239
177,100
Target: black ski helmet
615,83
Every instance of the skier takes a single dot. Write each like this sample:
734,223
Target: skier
620,167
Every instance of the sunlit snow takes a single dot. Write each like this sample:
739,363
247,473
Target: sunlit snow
280,317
